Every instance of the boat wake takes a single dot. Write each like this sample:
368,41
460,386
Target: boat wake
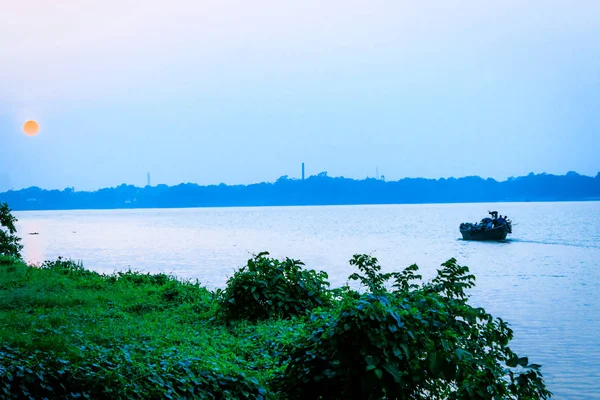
554,243
543,242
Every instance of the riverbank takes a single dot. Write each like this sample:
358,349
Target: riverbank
127,335
276,331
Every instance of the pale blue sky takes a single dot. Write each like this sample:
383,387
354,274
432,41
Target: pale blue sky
240,92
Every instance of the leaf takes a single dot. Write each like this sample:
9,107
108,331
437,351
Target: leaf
512,362
445,345
397,318
405,348
392,370
463,354
434,366
523,361
378,373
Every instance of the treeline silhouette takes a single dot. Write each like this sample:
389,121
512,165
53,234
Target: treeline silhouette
316,190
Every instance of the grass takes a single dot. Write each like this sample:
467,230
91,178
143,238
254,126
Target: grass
127,335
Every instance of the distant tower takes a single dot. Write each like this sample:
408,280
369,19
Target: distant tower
302,171
148,179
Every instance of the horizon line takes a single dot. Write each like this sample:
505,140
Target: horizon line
322,174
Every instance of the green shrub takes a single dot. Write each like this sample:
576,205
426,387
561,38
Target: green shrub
138,278
412,342
9,260
68,267
117,373
9,241
267,288
177,292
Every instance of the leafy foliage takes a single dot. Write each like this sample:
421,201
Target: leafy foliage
414,342
119,373
9,241
268,288
375,281
68,333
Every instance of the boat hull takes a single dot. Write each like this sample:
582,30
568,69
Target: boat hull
498,233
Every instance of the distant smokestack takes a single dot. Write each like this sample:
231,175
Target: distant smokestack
148,179
302,171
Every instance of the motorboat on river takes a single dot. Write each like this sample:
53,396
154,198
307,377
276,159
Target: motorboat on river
494,228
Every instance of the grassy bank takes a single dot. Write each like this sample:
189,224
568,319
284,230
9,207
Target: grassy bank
128,334
276,331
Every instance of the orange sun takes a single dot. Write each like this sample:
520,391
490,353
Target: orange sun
31,128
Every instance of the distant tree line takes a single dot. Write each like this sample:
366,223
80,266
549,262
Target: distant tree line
316,190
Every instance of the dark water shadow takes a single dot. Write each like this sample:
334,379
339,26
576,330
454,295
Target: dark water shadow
491,242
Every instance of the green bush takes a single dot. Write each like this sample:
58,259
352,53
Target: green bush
68,267
411,342
119,373
267,287
138,278
9,241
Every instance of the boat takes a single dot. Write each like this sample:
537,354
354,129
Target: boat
493,228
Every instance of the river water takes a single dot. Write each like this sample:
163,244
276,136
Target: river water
544,280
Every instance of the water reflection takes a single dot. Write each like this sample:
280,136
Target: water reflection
35,245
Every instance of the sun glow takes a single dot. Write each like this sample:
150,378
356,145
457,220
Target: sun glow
31,128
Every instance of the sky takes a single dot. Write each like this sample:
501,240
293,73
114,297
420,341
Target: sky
241,92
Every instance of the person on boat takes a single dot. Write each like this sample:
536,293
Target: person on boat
501,220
